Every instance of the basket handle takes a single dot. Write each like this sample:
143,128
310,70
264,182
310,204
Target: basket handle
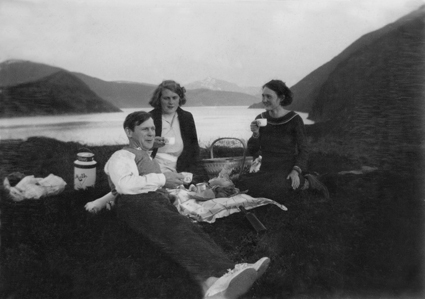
243,145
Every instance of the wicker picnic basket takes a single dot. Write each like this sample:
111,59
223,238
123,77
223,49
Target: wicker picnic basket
213,166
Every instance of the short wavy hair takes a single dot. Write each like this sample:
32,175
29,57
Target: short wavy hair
282,91
136,118
172,86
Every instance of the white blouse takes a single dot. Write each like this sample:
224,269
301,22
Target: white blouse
167,155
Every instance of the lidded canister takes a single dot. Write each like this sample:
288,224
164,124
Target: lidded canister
84,169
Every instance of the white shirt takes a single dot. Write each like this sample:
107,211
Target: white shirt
123,172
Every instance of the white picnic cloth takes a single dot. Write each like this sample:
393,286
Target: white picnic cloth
210,210
31,187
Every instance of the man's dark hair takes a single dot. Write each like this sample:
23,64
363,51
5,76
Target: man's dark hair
136,118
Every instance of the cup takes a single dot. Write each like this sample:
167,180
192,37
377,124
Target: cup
170,140
201,186
187,177
262,122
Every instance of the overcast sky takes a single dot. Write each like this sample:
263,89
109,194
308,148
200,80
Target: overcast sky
247,42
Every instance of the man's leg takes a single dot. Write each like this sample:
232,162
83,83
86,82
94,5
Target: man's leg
157,219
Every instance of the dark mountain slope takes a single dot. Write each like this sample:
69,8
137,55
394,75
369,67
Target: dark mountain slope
14,72
60,93
373,102
121,94
306,90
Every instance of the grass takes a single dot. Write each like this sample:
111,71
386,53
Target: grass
365,242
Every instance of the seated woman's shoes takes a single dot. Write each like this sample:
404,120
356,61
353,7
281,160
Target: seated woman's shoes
233,284
260,266
317,185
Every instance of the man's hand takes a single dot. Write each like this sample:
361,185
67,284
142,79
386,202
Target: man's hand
172,180
158,142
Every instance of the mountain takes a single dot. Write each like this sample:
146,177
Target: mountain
207,97
372,103
59,93
221,85
119,93
13,72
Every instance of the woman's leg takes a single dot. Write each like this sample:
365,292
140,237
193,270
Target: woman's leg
156,218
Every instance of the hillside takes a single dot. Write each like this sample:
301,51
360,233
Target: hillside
305,91
59,93
373,101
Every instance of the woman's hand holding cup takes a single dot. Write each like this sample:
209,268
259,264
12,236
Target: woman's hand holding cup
255,129
261,122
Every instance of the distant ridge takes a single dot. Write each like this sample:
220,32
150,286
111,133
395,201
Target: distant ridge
221,85
59,93
206,97
122,94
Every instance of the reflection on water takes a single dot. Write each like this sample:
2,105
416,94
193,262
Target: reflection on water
106,128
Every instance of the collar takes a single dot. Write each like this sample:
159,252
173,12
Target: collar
281,120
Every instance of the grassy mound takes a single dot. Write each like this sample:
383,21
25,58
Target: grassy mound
366,241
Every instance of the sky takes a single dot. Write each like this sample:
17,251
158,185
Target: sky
246,42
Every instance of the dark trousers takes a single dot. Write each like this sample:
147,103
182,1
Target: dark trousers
153,215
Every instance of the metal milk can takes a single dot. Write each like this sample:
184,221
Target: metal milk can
84,169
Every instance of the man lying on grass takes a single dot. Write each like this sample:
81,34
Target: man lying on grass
146,208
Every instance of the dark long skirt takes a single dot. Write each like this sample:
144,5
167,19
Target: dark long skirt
153,215
272,184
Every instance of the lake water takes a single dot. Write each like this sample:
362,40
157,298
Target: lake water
106,128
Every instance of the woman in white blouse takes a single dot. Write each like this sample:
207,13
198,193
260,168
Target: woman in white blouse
171,121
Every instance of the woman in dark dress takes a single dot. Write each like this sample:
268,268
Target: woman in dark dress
283,147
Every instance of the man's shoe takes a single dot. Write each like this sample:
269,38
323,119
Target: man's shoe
317,185
260,266
233,284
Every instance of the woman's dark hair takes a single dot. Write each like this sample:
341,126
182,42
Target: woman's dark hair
282,91
172,86
135,119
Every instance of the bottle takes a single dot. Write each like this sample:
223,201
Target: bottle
258,226
226,171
